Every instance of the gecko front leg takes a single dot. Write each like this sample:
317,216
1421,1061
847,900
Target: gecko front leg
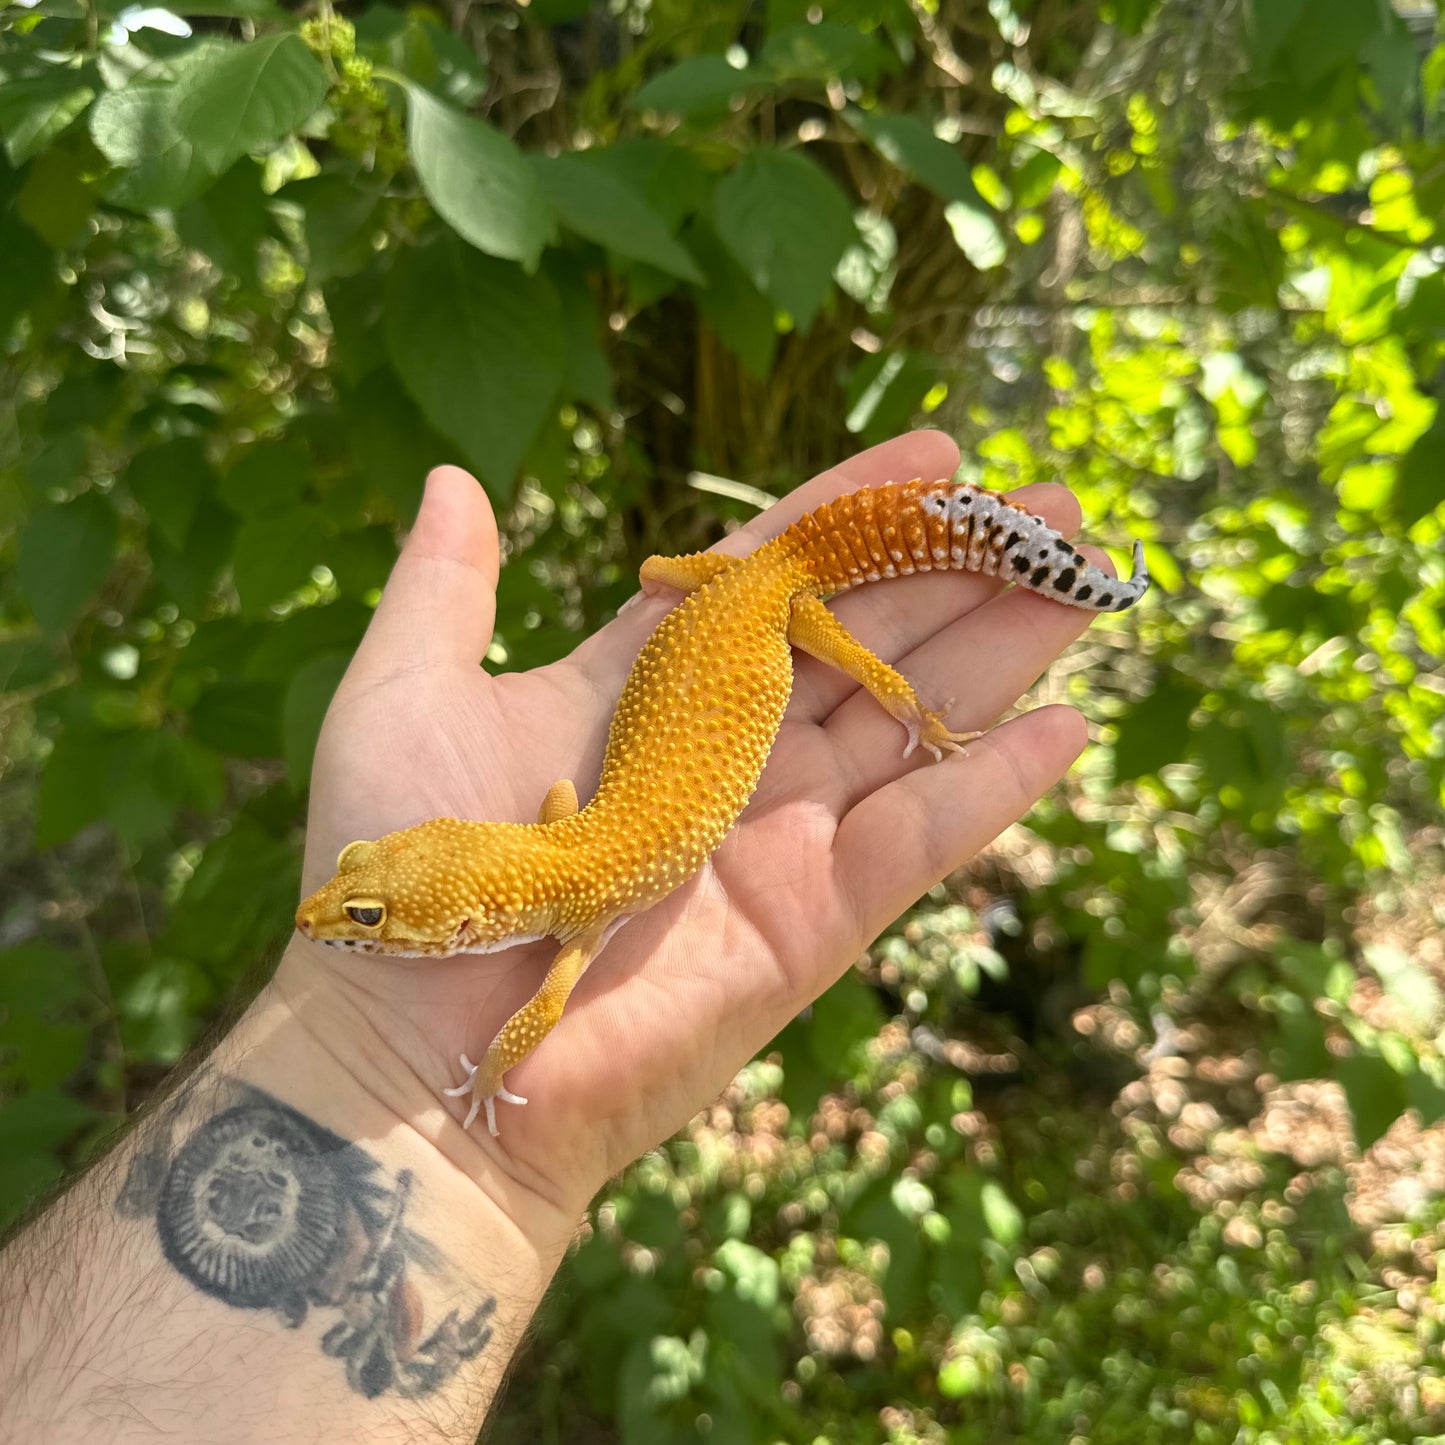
527,1027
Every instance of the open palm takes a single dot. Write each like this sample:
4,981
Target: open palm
841,836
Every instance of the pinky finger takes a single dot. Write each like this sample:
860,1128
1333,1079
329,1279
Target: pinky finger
901,839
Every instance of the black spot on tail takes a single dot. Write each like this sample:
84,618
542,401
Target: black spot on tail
1021,564
1039,577
1083,594
1064,580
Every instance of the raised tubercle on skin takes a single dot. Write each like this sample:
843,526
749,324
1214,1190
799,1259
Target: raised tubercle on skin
918,526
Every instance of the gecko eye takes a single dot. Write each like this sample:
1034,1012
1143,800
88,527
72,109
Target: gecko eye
366,911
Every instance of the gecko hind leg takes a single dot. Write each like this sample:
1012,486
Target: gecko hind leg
687,573
816,631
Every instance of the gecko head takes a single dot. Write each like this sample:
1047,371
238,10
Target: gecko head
420,892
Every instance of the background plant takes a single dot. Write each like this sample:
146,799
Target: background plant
1076,1152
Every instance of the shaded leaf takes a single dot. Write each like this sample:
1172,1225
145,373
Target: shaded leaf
479,182
1375,1093
788,224
740,314
65,554
307,698
481,346
825,51
168,481
601,208
275,553
910,144
697,84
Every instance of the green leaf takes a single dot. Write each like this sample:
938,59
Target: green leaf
588,376
339,219
241,98
1001,1215
825,51
1155,730
168,481
73,786
392,444
237,903
885,392
910,144
741,315
38,978
674,179
65,554
604,209
189,573
135,130
481,347
1375,1093
41,1120
275,553
28,275
788,224
1420,481
229,220
162,1010
56,200
34,110
699,83
307,698
267,477
238,718
479,182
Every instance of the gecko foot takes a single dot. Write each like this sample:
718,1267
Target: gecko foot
482,1098
928,728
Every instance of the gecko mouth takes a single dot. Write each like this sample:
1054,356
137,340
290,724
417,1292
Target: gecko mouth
457,943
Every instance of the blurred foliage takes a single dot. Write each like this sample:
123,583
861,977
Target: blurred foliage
1077,1153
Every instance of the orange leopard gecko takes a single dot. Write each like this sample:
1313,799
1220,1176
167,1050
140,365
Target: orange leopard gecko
693,727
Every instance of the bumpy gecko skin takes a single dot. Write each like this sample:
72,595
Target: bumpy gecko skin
693,727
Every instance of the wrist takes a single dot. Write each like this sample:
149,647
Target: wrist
347,1062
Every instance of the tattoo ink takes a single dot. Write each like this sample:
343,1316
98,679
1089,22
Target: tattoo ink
262,1208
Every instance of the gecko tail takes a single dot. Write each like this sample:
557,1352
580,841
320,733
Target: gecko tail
1071,579
919,526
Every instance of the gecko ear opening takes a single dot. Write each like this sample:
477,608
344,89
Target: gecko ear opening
354,855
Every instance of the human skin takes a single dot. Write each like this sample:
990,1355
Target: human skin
402,1331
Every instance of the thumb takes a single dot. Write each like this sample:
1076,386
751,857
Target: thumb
441,598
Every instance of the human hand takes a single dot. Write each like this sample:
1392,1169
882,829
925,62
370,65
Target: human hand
841,836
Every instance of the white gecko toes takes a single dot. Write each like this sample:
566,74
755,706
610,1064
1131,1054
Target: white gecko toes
507,1097
481,1101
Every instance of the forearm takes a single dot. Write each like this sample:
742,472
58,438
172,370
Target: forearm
273,1255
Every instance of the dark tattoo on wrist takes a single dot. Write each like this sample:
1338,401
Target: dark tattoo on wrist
265,1209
